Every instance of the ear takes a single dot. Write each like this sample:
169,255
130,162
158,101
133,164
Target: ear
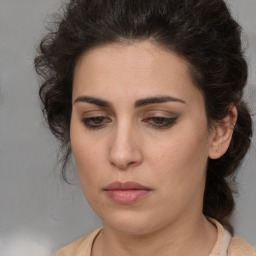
222,134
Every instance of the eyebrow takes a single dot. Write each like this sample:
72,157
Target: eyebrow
155,100
95,101
138,103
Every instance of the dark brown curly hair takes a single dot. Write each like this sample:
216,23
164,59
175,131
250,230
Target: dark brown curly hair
201,31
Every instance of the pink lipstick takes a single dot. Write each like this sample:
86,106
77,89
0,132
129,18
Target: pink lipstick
127,192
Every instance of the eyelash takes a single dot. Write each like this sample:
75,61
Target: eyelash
88,120
165,122
155,122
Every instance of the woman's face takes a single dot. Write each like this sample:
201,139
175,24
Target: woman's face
139,136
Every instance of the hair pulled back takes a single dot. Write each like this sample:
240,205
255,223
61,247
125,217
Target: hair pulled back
201,31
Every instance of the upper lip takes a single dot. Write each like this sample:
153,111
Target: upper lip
129,185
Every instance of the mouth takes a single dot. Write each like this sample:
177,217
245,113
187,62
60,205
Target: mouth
126,192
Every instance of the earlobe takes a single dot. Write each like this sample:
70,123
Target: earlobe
222,134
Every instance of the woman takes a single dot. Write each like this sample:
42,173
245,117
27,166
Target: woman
147,95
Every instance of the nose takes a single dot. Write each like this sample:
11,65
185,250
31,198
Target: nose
125,149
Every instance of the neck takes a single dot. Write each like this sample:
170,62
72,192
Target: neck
191,237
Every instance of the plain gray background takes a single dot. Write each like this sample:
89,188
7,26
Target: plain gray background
38,213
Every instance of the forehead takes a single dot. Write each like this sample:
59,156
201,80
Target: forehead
142,68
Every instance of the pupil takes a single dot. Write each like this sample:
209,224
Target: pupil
159,120
97,120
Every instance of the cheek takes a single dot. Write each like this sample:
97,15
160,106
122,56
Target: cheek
86,154
180,162
88,163
88,166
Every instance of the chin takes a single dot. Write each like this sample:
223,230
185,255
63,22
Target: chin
133,228
131,223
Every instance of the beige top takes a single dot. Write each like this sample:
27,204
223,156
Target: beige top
224,246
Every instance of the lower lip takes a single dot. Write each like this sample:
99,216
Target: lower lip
126,196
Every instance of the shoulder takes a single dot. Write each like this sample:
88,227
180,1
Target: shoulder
80,247
239,247
72,248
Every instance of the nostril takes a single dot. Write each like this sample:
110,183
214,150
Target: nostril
124,152
130,163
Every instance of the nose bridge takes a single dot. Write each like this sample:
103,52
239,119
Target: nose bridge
124,146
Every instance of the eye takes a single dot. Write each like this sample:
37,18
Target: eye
160,122
96,122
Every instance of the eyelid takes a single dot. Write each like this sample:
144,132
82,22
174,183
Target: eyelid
89,122
159,119
159,113
89,119
165,122
92,113
97,113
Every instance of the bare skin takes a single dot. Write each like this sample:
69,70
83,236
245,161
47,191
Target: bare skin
137,116
180,242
